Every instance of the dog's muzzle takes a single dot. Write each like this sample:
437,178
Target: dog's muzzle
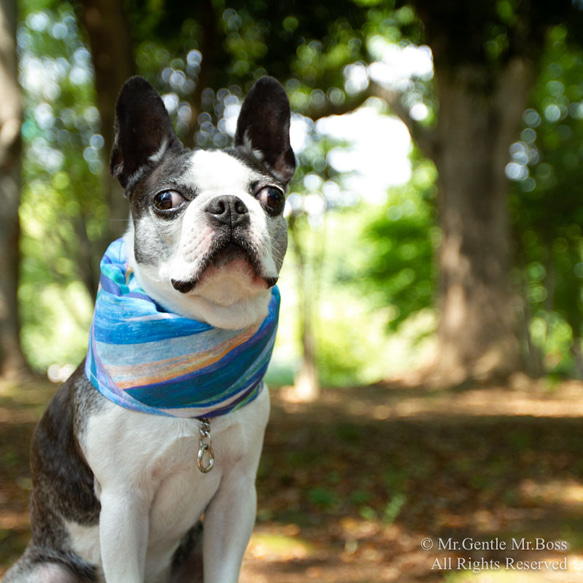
229,216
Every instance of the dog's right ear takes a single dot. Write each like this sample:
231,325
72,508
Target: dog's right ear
143,131
263,127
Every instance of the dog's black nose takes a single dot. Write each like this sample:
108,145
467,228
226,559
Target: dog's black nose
228,210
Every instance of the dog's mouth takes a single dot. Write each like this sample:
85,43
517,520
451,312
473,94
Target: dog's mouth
223,254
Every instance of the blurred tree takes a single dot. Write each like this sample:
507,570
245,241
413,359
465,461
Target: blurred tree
485,61
12,361
306,382
483,90
109,39
62,208
547,209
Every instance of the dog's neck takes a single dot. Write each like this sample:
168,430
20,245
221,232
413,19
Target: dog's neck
221,303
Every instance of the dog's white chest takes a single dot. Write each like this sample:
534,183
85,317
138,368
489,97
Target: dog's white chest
182,491
156,458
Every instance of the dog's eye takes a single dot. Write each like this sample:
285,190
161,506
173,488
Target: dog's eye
168,200
272,199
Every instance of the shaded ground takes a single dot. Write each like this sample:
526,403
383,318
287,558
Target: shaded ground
353,488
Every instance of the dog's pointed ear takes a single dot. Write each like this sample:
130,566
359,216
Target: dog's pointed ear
143,130
263,126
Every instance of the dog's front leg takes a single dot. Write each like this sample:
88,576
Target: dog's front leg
123,537
228,525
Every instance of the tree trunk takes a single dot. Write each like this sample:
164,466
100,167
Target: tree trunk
12,361
478,120
111,50
533,358
577,357
306,386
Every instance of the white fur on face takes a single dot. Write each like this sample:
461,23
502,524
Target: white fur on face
228,296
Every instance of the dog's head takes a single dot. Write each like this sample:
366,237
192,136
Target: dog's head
207,234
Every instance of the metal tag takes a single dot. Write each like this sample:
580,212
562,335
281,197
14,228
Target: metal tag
206,456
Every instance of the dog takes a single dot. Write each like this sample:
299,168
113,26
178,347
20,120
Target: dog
121,479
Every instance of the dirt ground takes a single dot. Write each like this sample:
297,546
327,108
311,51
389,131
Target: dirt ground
389,483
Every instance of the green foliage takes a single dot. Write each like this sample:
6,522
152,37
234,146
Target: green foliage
393,507
207,54
547,203
402,240
490,34
62,210
323,498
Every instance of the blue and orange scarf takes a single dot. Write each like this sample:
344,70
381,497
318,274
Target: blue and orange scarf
153,361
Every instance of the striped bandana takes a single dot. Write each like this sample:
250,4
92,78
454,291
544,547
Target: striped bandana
149,360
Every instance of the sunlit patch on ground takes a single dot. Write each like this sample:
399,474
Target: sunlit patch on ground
563,493
279,544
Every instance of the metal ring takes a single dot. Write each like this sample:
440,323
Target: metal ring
205,448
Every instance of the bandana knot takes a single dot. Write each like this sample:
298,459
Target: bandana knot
149,360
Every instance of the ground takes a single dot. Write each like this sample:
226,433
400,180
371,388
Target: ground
389,483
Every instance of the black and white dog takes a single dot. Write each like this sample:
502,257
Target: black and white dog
118,494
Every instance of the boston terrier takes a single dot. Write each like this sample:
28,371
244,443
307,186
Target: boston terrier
144,463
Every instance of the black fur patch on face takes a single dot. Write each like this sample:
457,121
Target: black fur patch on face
166,176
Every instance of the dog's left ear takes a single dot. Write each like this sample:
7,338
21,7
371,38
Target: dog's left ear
263,126
143,130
